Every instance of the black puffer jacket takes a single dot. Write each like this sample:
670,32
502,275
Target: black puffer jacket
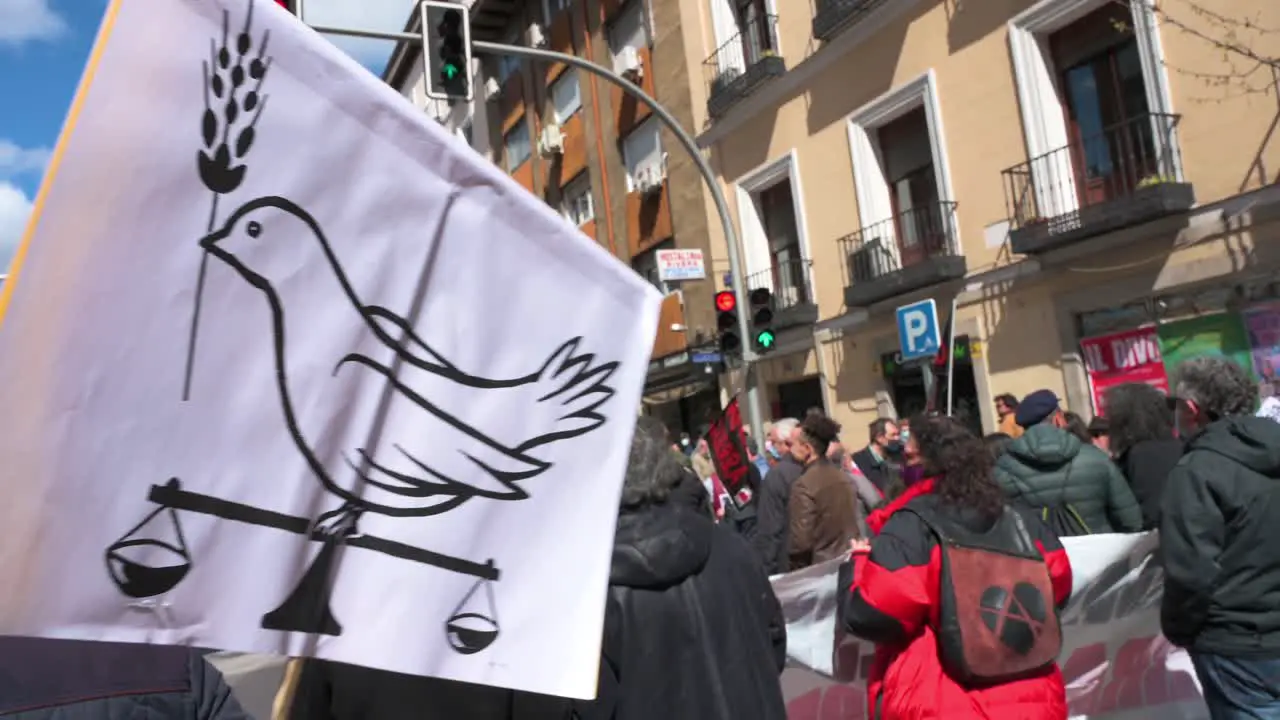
1146,466
72,680
692,628
1219,531
1048,467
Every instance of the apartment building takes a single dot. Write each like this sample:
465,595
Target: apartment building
1072,176
598,157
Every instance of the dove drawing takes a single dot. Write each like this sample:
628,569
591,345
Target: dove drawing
432,468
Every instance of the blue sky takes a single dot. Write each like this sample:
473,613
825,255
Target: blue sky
43,47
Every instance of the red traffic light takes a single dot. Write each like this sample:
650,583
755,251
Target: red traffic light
726,301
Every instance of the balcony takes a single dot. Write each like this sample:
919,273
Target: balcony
905,253
833,16
1126,175
794,303
742,64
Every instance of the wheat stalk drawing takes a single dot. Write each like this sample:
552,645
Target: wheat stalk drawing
233,76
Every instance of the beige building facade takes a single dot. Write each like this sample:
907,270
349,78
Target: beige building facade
1053,170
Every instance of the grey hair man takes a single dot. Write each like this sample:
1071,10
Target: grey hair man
1219,530
773,511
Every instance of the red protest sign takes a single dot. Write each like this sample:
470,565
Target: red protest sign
1124,357
724,438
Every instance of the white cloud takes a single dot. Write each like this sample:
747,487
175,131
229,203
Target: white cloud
15,208
376,15
25,20
16,160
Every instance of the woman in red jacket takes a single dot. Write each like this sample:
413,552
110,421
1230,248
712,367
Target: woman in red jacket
939,654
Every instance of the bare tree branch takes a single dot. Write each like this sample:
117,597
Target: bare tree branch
1247,72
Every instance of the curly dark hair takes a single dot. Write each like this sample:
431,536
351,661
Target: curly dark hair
1136,412
961,462
819,432
1078,427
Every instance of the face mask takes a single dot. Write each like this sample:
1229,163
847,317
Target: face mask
893,447
906,435
684,442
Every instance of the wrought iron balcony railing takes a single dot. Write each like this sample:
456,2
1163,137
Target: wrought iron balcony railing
788,280
740,65
908,239
1124,174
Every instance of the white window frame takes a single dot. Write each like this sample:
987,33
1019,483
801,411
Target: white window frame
1043,118
755,244
523,123
575,189
646,26
650,124
870,185
552,8
568,78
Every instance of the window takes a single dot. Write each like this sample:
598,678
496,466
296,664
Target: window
777,209
566,95
1106,104
516,145
508,64
551,8
575,200
641,151
913,187
646,265
629,29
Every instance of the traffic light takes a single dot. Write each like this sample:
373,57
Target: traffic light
447,54
762,333
727,322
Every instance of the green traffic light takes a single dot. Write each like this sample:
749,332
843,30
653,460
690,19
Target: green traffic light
765,339
450,71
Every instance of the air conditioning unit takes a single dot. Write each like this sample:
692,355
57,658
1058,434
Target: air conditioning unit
537,38
551,141
628,64
491,88
649,180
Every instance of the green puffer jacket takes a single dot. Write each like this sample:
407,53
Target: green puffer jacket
1049,466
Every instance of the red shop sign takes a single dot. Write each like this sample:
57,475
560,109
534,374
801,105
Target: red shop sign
1123,357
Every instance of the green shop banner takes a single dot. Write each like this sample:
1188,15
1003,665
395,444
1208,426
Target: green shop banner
1221,334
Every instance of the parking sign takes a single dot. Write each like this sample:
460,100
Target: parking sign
918,332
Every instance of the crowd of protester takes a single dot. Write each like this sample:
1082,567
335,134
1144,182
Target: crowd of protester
1200,464
932,527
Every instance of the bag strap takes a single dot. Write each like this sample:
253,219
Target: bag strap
1066,479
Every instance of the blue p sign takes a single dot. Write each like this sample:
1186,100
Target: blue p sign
918,332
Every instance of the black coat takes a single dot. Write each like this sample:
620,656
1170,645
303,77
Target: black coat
692,628
81,680
1146,466
1219,532
773,516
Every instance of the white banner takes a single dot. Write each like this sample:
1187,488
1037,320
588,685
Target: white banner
1115,662
290,369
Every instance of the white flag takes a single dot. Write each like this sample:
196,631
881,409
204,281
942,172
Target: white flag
287,368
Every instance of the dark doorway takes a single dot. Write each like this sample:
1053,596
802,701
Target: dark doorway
795,398
906,384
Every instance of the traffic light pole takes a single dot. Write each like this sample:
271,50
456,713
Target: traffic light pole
750,381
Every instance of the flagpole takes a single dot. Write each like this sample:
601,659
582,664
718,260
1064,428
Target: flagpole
951,358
